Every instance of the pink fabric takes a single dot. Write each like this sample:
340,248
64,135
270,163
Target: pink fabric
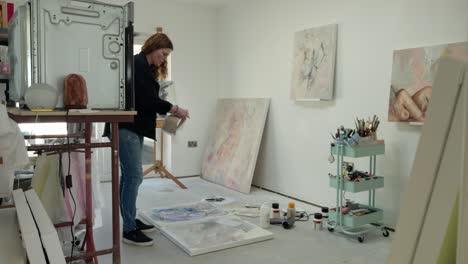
10,10
77,170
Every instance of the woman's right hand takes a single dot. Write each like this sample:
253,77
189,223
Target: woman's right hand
183,113
180,112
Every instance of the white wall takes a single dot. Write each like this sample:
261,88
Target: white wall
257,48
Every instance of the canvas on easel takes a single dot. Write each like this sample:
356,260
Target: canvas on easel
438,171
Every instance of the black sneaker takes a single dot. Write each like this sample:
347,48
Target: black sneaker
144,227
136,237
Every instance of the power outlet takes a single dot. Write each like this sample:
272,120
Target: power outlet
192,144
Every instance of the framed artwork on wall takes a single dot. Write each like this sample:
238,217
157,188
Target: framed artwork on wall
413,74
314,63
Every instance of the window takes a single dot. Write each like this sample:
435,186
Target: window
137,48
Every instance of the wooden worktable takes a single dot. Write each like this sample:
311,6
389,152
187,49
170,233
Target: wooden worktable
87,117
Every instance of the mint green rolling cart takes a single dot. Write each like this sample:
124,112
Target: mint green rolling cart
350,223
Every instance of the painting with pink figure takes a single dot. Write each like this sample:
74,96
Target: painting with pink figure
413,74
233,147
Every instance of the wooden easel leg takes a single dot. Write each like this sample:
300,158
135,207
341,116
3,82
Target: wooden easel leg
158,170
158,165
172,177
150,169
154,167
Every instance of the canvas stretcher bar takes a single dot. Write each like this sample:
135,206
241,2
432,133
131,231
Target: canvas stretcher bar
433,157
462,241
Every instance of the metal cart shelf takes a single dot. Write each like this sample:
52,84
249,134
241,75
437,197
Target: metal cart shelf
349,223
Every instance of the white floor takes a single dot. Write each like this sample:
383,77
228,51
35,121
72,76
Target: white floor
10,242
300,245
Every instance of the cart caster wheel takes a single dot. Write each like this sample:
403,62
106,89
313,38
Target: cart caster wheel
360,239
331,229
386,233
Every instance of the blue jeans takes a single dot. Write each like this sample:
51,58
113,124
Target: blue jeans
130,151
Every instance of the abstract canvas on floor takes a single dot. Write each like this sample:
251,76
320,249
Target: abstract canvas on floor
202,227
413,74
232,150
214,234
314,63
182,213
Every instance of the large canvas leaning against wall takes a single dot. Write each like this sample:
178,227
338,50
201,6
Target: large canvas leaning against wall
412,78
314,63
232,150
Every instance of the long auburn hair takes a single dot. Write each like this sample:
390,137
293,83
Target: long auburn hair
158,41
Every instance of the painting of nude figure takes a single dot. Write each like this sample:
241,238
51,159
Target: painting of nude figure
232,150
413,73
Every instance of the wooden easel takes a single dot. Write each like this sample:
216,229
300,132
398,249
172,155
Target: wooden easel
158,165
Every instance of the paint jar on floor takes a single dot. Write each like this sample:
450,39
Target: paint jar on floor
291,212
325,214
318,221
275,211
265,215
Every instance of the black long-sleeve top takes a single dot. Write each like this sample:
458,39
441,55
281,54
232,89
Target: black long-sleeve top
147,100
